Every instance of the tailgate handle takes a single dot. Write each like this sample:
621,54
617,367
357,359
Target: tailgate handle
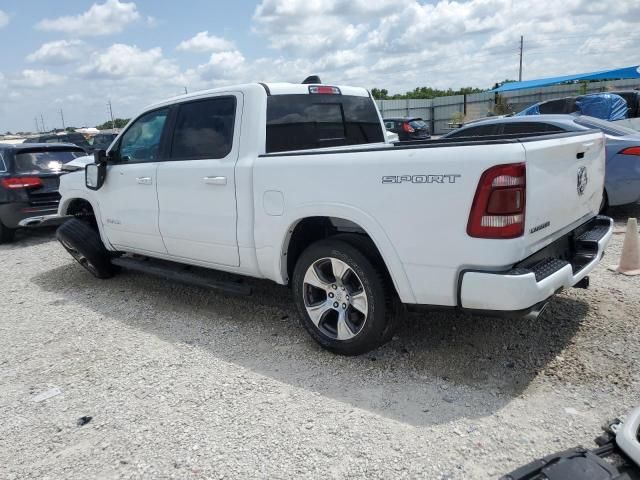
580,155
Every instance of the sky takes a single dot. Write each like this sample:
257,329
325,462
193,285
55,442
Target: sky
77,55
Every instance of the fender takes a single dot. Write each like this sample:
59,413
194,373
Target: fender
277,270
76,194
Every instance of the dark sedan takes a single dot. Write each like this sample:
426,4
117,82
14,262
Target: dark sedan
29,180
408,128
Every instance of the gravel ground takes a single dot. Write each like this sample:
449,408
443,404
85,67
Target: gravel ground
185,383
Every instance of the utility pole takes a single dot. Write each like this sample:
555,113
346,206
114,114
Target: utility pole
521,49
62,117
42,120
37,126
185,90
111,114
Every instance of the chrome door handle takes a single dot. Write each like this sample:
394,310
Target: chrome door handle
215,180
144,180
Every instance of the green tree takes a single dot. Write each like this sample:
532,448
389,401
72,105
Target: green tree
117,123
422,92
380,94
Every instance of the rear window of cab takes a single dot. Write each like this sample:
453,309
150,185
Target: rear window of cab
308,121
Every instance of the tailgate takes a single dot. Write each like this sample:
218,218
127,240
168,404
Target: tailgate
565,181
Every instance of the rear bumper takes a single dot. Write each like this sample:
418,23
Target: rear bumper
19,215
532,281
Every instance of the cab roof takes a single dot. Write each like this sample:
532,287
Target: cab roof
269,88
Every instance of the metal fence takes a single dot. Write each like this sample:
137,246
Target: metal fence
439,112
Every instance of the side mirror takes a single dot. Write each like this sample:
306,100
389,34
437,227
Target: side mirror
94,175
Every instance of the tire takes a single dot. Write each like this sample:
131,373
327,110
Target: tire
84,244
343,295
6,234
604,204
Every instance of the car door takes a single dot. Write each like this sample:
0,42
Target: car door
196,185
128,199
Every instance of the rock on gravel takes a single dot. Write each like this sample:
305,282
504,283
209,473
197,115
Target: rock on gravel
185,383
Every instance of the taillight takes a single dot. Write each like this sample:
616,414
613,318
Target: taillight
321,89
13,183
499,204
630,151
407,128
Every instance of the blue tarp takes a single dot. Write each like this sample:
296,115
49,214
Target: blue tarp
607,106
616,74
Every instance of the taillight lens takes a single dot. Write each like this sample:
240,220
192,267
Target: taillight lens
13,183
631,151
407,128
499,204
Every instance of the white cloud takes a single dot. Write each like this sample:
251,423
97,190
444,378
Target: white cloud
123,62
203,42
107,18
4,19
35,79
58,53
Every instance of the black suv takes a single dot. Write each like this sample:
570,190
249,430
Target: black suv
408,128
68,137
29,180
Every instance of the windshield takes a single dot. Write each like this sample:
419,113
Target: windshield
33,163
607,127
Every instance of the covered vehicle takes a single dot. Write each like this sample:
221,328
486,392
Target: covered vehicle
622,177
606,106
29,180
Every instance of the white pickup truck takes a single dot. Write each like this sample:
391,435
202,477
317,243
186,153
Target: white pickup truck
296,183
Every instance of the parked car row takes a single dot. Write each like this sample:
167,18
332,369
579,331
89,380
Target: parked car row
96,142
622,178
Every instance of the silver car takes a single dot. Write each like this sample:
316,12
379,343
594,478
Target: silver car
622,177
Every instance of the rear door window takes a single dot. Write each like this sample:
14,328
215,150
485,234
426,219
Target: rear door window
204,129
307,121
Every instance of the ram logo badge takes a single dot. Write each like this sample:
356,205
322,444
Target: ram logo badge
446,178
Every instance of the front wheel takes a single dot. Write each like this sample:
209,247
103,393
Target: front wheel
344,298
84,244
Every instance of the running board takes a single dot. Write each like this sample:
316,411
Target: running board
177,272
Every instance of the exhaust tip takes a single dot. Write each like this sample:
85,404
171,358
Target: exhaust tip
536,310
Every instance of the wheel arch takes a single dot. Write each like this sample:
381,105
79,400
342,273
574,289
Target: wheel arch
73,201
304,229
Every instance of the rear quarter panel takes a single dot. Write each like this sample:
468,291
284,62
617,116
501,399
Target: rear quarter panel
418,221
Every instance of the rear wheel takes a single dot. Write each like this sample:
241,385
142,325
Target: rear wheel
6,234
84,244
343,297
